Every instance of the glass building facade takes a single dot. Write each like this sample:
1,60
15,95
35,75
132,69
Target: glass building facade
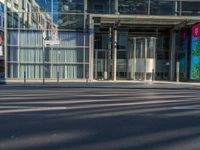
107,39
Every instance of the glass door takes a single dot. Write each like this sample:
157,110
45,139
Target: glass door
141,62
102,58
102,68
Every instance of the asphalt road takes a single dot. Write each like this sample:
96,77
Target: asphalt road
99,119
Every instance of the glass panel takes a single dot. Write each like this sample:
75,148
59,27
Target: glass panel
1,7
32,71
36,20
190,9
46,5
150,58
122,64
12,53
101,7
122,53
66,55
71,38
163,57
30,38
12,20
12,37
133,7
159,7
151,45
69,71
66,6
12,70
140,61
69,21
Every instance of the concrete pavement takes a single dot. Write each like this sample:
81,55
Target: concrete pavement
52,118
103,84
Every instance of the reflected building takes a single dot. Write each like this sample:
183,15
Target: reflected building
99,40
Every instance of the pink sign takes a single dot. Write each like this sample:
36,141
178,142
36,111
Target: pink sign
1,40
196,30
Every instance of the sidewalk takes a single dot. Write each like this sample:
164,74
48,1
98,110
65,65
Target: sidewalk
104,84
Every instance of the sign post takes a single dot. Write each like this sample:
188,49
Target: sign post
43,51
52,40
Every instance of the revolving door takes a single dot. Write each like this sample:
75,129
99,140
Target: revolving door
142,58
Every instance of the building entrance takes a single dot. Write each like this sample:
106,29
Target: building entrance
137,62
142,58
102,68
102,57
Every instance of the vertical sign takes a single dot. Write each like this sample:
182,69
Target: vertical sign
195,53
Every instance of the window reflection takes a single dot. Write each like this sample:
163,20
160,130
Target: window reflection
69,21
44,4
159,7
133,6
101,7
68,6
190,8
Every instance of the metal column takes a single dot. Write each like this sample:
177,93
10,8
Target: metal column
84,40
134,58
173,55
109,52
145,59
114,54
5,40
91,49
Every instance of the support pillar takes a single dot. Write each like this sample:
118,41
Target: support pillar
145,59
5,41
114,54
109,52
173,55
84,41
91,49
96,61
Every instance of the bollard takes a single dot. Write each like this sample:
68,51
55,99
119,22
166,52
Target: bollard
43,81
24,78
87,79
153,75
57,77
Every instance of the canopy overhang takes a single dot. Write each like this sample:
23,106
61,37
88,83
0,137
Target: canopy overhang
147,20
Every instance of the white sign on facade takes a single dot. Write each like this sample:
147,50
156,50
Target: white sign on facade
52,42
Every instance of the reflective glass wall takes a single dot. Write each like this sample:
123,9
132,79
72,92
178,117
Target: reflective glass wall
67,21
133,6
101,7
159,7
162,7
30,23
189,8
